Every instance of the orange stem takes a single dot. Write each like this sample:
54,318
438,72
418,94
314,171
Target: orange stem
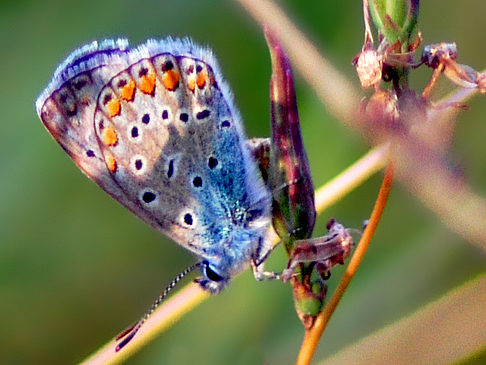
313,335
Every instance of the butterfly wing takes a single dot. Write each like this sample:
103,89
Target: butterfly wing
156,128
66,107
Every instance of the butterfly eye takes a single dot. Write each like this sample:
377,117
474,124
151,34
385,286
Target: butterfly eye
211,274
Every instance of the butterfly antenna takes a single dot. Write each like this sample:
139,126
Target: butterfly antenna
127,335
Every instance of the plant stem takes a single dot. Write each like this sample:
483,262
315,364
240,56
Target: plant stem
313,335
348,180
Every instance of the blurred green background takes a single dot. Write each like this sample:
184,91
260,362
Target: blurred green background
76,268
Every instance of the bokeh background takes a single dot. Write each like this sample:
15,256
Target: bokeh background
76,268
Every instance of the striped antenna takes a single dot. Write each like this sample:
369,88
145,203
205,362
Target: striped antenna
127,335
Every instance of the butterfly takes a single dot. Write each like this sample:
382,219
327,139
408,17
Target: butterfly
156,127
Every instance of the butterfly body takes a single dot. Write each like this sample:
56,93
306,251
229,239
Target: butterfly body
157,129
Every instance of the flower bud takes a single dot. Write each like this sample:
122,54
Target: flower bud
395,19
290,178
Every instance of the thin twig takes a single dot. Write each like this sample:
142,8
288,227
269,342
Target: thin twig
334,190
313,335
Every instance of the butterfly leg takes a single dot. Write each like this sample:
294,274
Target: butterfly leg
263,275
258,262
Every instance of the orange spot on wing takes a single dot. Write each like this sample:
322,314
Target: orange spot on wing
109,136
128,91
113,107
111,163
171,79
147,83
191,83
202,77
